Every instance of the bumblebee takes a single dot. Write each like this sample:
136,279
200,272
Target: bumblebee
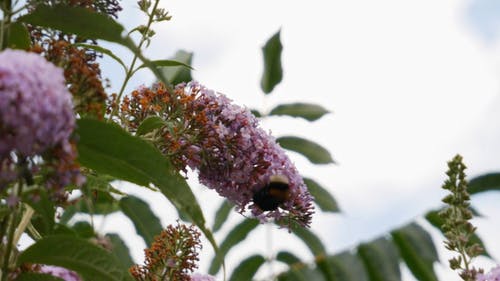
273,194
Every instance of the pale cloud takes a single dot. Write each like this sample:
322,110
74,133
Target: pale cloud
408,82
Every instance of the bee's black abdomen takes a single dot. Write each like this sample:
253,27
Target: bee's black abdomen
272,195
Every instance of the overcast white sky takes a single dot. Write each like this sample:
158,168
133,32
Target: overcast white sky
410,84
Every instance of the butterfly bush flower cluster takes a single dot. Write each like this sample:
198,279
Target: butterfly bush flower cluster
172,256
36,122
205,131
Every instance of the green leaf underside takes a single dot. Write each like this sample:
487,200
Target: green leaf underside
222,214
179,74
76,20
273,72
322,197
308,111
146,223
120,250
417,250
104,51
150,124
314,152
108,149
348,267
380,259
88,260
486,182
247,268
435,220
235,236
19,37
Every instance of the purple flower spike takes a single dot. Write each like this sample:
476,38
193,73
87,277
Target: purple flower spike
240,158
225,144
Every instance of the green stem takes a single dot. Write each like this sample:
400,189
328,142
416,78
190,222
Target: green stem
10,238
5,26
131,69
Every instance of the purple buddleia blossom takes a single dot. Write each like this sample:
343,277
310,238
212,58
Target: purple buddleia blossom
61,272
224,143
493,275
202,277
239,157
35,106
36,122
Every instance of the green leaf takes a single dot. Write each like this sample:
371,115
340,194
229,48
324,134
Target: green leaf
84,229
347,267
317,249
120,250
247,268
307,111
314,152
235,236
108,149
88,260
19,37
273,73
43,218
166,63
31,276
103,51
256,113
322,197
179,74
381,260
222,214
76,20
98,202
436,221
62,229
288,258
146,223
417,250
149,124
303,274
486,182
